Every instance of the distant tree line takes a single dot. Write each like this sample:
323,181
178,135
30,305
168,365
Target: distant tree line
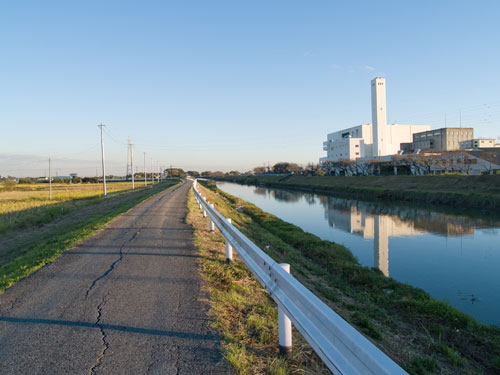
175,172
282,168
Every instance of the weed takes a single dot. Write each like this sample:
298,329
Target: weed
422,365
366,325
452,355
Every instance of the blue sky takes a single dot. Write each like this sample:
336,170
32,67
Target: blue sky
222,85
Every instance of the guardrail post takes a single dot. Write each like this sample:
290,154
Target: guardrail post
284,326
212,224
229,249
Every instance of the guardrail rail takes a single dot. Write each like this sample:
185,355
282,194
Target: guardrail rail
342,348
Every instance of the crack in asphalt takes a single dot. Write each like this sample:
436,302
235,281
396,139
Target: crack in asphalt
111,267
105,344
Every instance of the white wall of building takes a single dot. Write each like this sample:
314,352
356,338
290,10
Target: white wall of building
369,141
397,134
357,142
352,143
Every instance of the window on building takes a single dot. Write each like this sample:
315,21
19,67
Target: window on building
356,146
357,153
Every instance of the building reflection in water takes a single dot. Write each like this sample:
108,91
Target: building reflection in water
380,222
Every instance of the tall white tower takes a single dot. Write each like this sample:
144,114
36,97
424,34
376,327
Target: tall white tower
379,117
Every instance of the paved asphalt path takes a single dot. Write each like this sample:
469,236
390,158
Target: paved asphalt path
128,300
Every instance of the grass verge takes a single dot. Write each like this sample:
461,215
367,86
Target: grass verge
25,251
423,335
245,315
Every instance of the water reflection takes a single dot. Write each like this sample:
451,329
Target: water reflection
453,257
377,222
289,196
380,222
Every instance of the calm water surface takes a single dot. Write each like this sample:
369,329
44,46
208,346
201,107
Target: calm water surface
454,258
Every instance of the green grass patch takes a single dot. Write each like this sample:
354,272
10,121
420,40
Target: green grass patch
423,365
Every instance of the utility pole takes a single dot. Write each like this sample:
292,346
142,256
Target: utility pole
145,177
103,166
50,183
152,174
158,169
132,163
128,158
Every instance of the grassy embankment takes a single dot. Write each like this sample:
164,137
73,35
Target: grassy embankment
34,230
245,315
423,335
481,192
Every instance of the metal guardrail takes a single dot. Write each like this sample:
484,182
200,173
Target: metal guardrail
342,348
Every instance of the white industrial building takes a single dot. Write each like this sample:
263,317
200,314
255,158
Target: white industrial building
373,140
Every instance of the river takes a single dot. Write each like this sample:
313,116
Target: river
454,258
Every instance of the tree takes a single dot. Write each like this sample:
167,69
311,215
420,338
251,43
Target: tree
193,173
175,172
25,181
285,167
8,184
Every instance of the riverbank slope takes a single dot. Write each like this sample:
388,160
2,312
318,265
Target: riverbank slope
423,335
480,192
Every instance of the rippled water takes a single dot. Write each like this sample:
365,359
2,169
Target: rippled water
453,257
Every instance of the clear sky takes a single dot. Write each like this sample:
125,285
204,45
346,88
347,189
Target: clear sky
222,85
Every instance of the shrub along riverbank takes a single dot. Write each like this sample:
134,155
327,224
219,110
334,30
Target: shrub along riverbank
423,335
30,243
482,192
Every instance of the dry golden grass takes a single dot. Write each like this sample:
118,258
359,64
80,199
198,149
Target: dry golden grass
28,205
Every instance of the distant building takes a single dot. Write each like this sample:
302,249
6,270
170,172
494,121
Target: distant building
370,140
478,143
444,139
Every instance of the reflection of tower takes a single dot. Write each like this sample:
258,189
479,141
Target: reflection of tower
381,244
